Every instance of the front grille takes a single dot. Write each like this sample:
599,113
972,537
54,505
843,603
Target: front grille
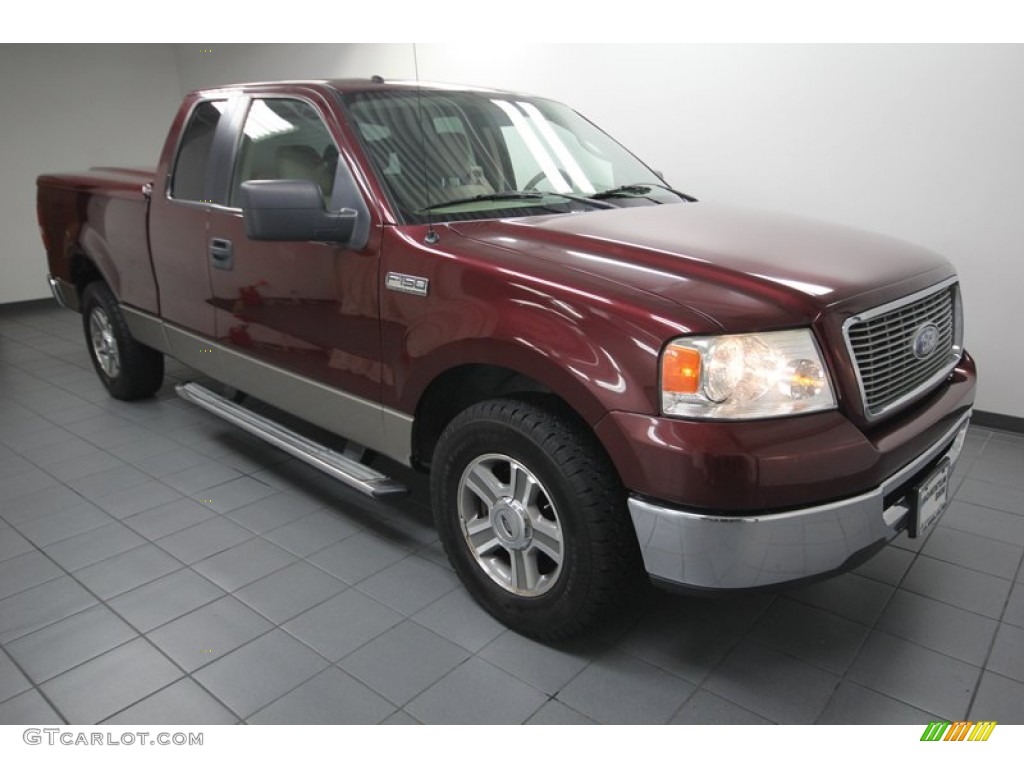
882,344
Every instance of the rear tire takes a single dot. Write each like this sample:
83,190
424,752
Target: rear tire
532,516
129,370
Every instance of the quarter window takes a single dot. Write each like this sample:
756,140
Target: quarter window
189,179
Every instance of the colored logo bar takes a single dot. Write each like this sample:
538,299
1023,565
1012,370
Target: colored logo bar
961,730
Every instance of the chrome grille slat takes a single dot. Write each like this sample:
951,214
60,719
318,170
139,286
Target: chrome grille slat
880,343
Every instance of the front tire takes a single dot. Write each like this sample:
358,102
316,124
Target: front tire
532,516
129,370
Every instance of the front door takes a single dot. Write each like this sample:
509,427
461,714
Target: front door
306,308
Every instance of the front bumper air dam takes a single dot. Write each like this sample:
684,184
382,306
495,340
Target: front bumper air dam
705,552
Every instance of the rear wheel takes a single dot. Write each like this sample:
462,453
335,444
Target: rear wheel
532,517
129,370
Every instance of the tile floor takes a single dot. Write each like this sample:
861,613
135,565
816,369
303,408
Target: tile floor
159,566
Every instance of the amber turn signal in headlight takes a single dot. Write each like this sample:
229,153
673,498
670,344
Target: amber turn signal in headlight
680,370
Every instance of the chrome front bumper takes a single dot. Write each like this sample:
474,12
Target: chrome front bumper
701,551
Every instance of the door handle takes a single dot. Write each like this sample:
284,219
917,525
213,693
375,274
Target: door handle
221,253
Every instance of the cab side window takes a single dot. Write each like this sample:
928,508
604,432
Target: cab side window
284,139
188,181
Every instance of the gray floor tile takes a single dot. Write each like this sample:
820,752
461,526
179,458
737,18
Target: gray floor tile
466,696
58,647
816,636
49,529
209,633
127,570
13,544
544,667
404,661
169,462
853,704
332,697
63,446
258,673
12,681
617,688
271,512
915,675
290,591
93,546
205,539
358,556
706,708
1014,613
24,483
984,494
998,472
401,717
144,448
181,703
97,689
409,585
457,618
848,595
234,494
1008,653
555,712
165,599
778,687
999,699
984,521
939,626
200,477
338,626
40,503
889,566
996,558
82,466
26,571
169,518
959,586
131,501
37,607
28,708
244,563
311,533
109,481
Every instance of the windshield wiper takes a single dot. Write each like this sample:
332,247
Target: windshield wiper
517,194
639,190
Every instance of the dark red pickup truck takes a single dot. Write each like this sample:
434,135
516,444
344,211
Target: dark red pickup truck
602,376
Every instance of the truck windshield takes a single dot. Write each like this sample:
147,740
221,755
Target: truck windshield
464,155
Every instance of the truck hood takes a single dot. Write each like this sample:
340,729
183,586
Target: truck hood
729,264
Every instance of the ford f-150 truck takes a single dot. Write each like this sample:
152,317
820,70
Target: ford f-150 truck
604,377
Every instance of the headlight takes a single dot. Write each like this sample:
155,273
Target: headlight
745,376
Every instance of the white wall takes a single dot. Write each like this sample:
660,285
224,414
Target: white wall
920,142
69,107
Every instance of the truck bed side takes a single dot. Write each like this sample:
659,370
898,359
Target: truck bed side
96,222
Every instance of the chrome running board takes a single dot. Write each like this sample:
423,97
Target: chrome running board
347,470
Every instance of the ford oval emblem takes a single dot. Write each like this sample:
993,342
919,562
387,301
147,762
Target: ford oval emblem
926,341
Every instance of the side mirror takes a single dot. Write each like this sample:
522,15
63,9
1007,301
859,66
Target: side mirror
293,210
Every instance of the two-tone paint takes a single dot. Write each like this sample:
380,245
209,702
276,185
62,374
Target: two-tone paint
579,305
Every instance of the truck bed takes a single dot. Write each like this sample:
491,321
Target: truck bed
102,211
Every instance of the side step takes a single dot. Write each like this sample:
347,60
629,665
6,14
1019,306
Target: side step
347,470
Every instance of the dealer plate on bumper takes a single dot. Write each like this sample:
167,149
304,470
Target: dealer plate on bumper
930,498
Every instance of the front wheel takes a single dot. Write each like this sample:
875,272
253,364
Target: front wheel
532,517
129,370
